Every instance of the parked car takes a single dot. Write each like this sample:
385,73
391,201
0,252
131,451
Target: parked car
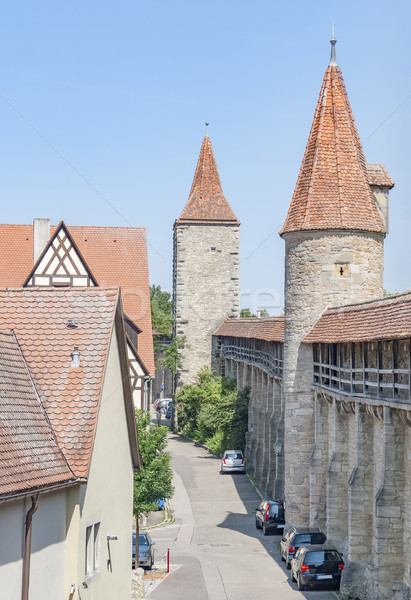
233,462
145,550
270,517
317,566
296,537
169,411
162,404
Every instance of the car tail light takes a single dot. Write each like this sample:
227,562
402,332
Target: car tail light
224,460
291,548
267,514
340,566
304,568
242,461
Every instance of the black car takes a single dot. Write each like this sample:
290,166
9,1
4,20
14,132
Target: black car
296,537
269,516
317,566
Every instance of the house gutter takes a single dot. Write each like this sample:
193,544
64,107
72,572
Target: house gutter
27,547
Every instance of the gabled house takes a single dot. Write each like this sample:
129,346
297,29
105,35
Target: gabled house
41,255
68,445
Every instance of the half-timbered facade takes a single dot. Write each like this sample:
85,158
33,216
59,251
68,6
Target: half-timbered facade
88,257
61,264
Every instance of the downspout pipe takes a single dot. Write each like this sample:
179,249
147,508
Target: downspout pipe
27,547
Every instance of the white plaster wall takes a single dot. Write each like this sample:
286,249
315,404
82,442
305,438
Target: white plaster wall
47,548
12,518
108,495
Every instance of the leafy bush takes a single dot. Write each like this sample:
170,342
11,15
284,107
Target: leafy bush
212,411
154,480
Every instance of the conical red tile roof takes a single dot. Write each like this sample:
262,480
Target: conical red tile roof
332,190
206,201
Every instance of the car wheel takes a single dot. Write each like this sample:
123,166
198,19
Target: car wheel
293,576
257,524
287,564
150,566
301,587
265,531
282,557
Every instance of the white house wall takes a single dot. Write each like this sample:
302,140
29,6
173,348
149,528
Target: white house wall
137,379
47,548
108,496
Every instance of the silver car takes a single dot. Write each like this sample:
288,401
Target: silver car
233,462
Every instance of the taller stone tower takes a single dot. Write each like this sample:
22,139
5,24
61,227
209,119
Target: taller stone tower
205,265
334,234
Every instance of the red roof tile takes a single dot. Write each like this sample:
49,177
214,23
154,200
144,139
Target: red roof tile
269,329
388,318
206,201
70,396
332,190
29,455
115,255
377,175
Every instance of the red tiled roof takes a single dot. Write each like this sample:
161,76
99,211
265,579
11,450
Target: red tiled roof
332,190
115,255
385,319
269,329
70,396
206,201
29,455
377,175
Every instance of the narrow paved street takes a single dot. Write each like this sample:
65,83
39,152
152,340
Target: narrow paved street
214,539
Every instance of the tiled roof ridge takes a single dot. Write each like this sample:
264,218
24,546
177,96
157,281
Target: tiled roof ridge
206,200
70,397
63,289
391,298
332,189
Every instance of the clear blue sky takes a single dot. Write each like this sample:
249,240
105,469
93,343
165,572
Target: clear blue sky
122,91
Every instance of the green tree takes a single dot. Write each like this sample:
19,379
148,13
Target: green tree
172,357
212,411
161,310
154,480
246,313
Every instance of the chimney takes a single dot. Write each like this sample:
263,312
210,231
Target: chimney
41,235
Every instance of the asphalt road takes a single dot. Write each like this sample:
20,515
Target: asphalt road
220,553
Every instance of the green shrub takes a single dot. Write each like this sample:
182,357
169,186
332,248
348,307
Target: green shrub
212,411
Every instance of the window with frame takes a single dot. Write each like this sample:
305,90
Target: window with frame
93,548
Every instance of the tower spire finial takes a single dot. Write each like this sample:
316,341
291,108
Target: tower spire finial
206,124
333,41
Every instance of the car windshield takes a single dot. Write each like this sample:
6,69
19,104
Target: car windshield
310,538
276,510
316,557
142,539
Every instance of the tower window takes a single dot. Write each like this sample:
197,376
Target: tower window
341,270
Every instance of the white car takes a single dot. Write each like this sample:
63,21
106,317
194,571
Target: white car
233,462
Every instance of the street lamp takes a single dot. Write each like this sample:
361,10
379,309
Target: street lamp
278,448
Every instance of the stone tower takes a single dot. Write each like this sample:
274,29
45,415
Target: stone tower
205,264
334,234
